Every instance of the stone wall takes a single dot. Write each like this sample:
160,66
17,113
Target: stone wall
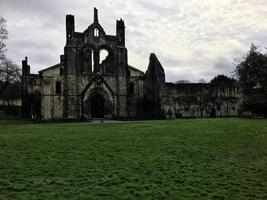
199,100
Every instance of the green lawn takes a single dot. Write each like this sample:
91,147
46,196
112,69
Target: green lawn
184,159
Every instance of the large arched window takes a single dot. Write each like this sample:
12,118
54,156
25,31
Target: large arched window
86,60
58,87
103,54
105,60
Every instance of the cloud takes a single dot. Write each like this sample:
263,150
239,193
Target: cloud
193,39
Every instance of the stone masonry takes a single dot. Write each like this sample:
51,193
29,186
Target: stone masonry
94,80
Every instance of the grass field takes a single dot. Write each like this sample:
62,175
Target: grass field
184,159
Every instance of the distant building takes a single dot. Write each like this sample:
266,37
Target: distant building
82,86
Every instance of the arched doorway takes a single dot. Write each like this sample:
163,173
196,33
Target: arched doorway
97,106
97,100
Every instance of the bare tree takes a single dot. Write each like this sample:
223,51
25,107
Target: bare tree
9,73
3,36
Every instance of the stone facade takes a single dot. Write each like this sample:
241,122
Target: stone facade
86,85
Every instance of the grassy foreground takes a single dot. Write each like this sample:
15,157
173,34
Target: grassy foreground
185,159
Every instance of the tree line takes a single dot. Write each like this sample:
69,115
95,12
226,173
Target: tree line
10,73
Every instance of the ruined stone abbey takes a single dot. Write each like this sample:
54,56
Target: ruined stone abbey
84,85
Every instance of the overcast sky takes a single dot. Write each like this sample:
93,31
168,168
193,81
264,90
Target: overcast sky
193,39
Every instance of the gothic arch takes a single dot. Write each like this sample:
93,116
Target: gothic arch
98,81
97,88
106,63
86,58
94,26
